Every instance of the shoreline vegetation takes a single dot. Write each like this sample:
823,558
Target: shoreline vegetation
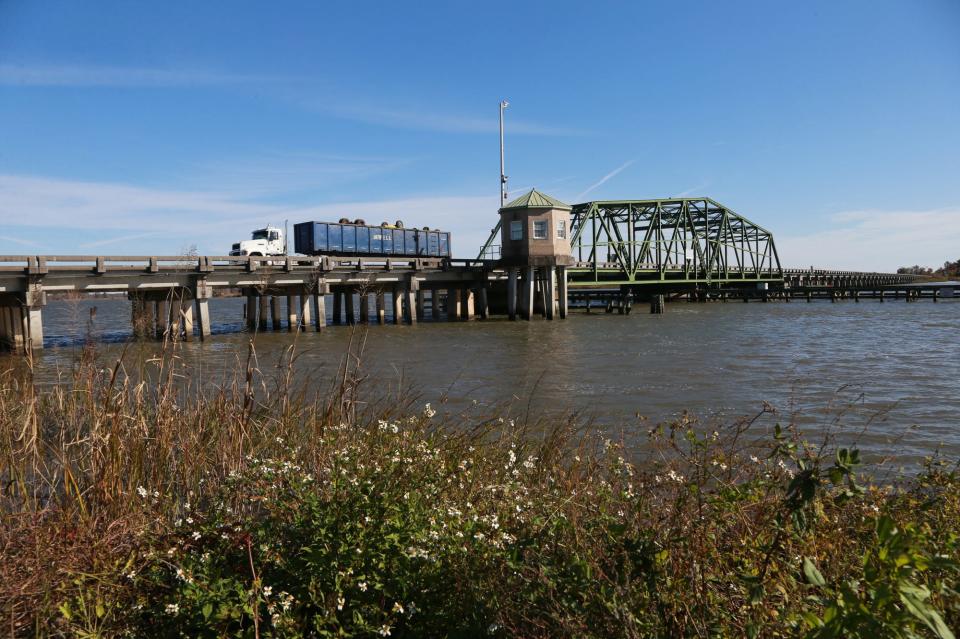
263,508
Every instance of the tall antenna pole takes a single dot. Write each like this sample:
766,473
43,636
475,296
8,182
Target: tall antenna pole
503,178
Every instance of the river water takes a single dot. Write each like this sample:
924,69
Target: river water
891,369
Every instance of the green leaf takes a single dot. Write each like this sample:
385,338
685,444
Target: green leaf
812,574
207,610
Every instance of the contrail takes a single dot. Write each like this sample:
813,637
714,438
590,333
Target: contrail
606,177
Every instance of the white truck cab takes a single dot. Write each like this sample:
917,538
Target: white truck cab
262,242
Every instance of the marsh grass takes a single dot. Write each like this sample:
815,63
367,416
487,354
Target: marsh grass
142,500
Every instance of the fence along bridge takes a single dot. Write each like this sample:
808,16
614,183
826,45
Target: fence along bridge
618,251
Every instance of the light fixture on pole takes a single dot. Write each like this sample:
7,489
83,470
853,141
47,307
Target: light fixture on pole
503,178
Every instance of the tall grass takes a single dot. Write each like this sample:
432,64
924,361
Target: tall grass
139,500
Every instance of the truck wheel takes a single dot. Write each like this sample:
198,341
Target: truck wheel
399,224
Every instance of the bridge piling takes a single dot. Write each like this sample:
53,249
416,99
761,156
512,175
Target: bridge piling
512,275
381,311
262,304
657,305
275,321
304,311
397,305
364,307
563,292
453,305
291,314
351,309
320,309
435,304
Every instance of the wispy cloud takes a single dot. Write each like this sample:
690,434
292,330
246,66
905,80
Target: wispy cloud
696,190
155,221
604,179
17,240
108,76
300,91
877,240
273,172
431,120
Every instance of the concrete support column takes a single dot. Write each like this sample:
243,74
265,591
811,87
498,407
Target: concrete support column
262,303
32,313
658,305
351,309
454,306
275,321
550,303
381,310
18,331
250,309
364,307
397,305
186,312
203,317
528,288
174,327
881,295
337,306
291,314
482,302
420,302
435,304
469,307
304,311
320,309
512,293
160,318
411,304
562,291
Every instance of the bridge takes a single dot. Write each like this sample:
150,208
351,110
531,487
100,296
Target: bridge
619,251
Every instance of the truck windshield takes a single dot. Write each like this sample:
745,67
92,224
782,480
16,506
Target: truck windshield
260,234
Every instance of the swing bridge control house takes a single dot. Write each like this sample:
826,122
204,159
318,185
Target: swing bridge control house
541,255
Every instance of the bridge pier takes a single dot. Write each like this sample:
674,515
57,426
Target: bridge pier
380,306
275,322
528,292
292,319
453,305
482,302
397,305
512,275
263,303
435,304
320,308
304,311
563,292
657,305
337,305
351,309
364,307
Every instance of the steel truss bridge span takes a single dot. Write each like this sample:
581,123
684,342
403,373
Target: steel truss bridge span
667,244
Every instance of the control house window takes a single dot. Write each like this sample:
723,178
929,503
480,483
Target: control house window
540,229
561,230
516,230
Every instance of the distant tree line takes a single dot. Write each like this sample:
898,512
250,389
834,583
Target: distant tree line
949,269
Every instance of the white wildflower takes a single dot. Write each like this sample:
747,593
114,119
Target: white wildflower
142,491
173,609
384,630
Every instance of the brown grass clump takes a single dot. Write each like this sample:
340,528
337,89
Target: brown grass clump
140,502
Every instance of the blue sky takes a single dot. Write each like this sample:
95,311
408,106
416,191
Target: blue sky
132,128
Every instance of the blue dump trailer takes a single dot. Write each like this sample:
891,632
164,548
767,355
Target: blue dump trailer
358,239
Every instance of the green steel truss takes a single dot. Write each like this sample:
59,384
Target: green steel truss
671,242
